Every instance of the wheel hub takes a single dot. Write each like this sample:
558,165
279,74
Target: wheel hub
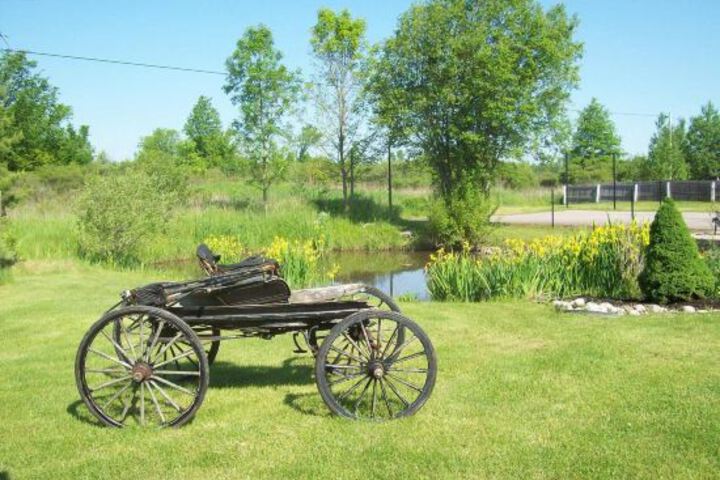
141,372
376,370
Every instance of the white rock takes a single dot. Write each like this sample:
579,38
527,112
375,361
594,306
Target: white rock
656,308
640,308
578,302
593,307
634,312
688,309
562,305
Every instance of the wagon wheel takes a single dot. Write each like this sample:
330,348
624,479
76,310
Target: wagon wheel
374,297
379,376
133,381
211,347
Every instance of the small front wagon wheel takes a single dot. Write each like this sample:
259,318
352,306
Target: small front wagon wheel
365,370
126,376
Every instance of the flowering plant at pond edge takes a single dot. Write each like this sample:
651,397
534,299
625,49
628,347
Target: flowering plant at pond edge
301,261
604,263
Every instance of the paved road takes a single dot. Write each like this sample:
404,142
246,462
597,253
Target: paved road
696,221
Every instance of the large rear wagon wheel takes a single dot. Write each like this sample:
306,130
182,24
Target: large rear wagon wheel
134,381
363,369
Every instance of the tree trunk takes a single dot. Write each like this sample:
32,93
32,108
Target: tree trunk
343,174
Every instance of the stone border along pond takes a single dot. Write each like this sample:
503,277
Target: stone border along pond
607,308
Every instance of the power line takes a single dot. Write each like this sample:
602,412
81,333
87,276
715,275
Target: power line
205,71
117,62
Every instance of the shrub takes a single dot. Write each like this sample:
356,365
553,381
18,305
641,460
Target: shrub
712,260
673,269
117,213
8,256
602,263
460,218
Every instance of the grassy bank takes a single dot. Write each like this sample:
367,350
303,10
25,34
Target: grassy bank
522,392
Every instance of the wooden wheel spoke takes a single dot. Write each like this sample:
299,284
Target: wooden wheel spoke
169,344
142,400
174,359
371,352
117,346
409,370
374,398
355,345
109,383
384,397
405,382
153,342
390,341
125,334
173,385
342,352
345,378
392,387
105,355
167,398
409,357
344,367
184,373
399,349
157,405
351,389
116,395
362,395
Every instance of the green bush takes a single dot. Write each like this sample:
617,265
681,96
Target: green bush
117,213
460,218
8,256
673,269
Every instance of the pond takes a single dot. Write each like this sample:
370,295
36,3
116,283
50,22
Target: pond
397,273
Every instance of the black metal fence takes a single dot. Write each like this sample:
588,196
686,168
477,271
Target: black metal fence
697,190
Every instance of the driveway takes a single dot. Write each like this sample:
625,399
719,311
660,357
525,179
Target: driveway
696,221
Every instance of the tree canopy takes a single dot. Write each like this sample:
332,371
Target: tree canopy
338,43
265,92
467,82
703,143
666,153
205,133
35,126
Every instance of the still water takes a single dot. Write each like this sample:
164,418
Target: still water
396,273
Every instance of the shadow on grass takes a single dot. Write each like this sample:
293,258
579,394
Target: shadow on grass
229,375
307,404
78,410
361,209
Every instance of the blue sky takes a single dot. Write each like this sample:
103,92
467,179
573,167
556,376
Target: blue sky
640,56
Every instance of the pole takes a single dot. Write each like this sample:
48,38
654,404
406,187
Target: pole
552,207
632,205
390,205
567,179
614,158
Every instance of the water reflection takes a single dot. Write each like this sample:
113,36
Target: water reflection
397,273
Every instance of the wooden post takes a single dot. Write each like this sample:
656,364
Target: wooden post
390,205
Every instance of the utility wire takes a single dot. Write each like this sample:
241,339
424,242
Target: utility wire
117,62
204,71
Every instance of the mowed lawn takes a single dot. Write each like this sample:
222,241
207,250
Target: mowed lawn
522,392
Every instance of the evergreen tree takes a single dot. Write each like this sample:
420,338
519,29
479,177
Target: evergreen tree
593,144
666,154
703,144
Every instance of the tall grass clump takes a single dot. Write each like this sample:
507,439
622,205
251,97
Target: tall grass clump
602,263
8,256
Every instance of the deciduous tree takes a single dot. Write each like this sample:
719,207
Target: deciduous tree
265,91
703,143
666,153
468,82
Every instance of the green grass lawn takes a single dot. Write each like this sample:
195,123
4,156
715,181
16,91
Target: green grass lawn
522,392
